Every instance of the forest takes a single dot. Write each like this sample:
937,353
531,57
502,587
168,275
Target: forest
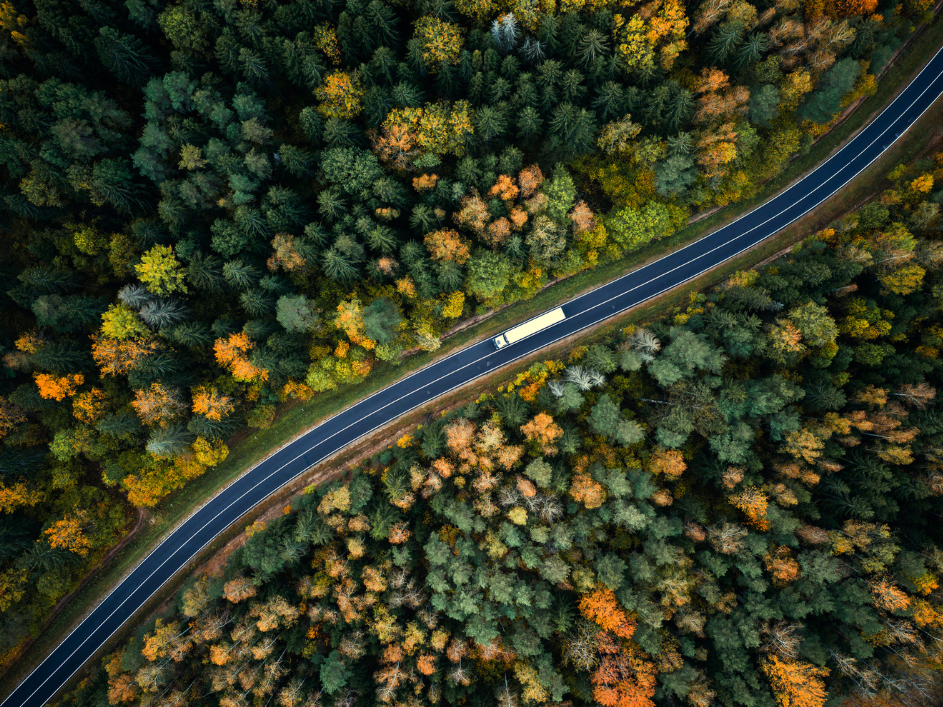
736,505
210,209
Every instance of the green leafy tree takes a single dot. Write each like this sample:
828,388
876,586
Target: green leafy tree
633,228
381,319
764,104
296,313
823,103
488,275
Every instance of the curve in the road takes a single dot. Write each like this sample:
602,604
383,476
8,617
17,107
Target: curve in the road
182,545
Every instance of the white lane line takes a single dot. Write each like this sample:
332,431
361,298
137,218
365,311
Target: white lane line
437,363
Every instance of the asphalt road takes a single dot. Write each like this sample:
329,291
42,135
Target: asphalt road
177,550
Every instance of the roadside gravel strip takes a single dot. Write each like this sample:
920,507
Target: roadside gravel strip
461,367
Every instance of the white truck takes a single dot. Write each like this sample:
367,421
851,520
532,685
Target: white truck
531,326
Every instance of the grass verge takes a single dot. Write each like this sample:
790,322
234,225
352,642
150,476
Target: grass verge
248,449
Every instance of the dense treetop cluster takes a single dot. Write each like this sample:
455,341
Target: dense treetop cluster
210,208
736,506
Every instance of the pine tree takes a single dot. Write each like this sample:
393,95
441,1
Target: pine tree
163,313
240,275
726,41
125,56
338,266
166,442
529,123
751,50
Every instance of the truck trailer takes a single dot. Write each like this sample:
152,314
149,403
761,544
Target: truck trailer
531,326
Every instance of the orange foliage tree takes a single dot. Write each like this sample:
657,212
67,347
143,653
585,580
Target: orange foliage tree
239,589
285,254
447,244
157,404
602,608
294,390
544,431
504,189
849,8
669,462
624,678
116,357
782,565
395,144
89,406
209,401
529,179
474,214
425,182
796,684
232,351
582,217
340,95
587,491
887,596
58,387
753,503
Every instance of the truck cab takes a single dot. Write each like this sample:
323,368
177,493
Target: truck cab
500,341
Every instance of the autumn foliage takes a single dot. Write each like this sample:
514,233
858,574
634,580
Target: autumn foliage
209,401
602,607
625,677
796,684
116,357
232,352
69,534
54,387
158,404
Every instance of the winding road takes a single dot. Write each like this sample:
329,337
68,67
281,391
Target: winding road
459,368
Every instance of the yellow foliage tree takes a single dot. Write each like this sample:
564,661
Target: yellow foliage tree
441,42
13,585
121,322
325,39
69,534
18,495
160,271
340,95
642,45
440,128
12,417
903,280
